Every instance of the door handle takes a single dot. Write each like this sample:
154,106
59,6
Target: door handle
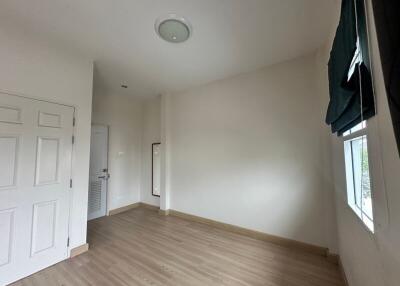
106,177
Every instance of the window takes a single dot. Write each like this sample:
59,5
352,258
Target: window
358,179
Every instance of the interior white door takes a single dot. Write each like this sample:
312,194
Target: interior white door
35,173
98,172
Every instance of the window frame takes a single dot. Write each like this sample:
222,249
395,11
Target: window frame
350,189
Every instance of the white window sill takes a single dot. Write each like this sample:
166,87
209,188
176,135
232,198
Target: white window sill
357,213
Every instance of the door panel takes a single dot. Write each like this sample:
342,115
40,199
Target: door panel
7,236
35,170
97,206
49,120
95,197
8,164
43,230
10,114
47,160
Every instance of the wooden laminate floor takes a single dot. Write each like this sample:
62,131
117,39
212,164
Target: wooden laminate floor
140,247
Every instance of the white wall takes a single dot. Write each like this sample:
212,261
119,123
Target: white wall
35,69
247,151
124,116
370,260
151,134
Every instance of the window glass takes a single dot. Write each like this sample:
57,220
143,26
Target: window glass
358,174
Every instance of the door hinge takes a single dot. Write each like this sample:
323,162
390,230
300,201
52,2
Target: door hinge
73,121
68,242
70,183
73,139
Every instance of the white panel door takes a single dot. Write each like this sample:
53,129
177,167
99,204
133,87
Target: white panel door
35,172
97,202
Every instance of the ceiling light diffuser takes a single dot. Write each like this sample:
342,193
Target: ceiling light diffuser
173,28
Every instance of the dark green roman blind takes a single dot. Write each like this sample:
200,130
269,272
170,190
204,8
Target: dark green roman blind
350,84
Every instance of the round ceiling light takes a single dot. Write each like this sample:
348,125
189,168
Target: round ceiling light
173,28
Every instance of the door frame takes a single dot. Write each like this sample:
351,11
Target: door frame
73,153
108,159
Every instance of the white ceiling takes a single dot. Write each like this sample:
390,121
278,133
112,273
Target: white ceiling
229,37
